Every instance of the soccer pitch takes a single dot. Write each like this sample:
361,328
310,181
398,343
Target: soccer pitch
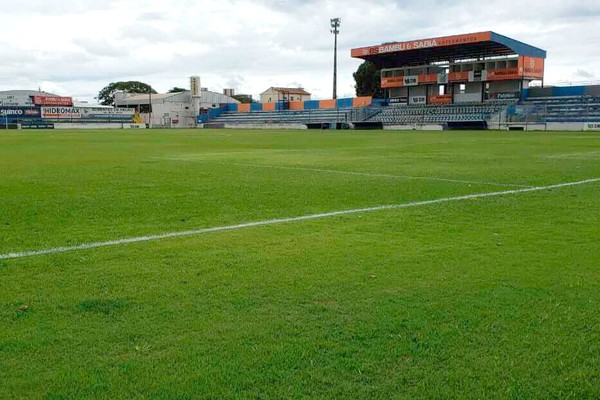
299,264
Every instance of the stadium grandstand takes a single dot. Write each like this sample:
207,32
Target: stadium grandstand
476,80
455,81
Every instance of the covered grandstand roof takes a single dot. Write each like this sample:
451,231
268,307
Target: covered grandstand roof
447,48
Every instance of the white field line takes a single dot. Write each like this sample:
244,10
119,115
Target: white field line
580,155
138,239
335,171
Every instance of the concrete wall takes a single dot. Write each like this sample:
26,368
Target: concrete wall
64,125
265,126
560,126
414,127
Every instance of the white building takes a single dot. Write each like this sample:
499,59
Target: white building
171,109
275,94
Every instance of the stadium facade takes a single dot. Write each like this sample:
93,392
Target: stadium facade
467,68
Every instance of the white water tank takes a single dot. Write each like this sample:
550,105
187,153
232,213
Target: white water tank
195,86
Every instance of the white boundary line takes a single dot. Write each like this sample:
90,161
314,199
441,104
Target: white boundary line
139,239
334,171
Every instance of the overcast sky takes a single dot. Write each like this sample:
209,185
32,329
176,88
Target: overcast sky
76,47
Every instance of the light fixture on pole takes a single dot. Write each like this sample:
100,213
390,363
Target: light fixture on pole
335,29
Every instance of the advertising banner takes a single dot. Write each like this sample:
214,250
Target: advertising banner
591,126
440,99
503,74
53,101
505,96
418,100
19,112
392,82
422,44
458,76
428,78
531,67
399,100
411,80
100,112
61,112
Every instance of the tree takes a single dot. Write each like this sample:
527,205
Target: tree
242,99
107,95
177,90
368,80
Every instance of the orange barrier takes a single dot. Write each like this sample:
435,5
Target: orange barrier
244,107
296,105
327,103
362,101
269,106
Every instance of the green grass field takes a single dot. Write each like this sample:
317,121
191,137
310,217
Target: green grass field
495,297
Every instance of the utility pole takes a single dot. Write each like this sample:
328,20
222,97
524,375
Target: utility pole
335,29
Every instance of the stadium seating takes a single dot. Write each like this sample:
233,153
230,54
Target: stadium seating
296,116
558,109
439,114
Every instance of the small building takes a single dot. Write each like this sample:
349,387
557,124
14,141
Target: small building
277,94
171,109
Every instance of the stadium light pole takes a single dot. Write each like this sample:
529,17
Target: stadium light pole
149,107
335,29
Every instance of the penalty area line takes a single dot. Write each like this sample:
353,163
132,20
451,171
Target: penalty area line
117,242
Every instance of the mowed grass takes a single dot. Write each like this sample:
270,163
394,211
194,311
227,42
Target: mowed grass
496,297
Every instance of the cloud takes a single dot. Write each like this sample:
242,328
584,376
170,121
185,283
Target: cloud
580,73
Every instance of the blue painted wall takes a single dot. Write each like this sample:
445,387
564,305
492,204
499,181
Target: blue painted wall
344,103
311,105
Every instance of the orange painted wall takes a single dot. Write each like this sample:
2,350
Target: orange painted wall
296,105
362,101
327,103
269,106
244,107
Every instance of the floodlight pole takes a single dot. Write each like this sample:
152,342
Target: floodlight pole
149,107
335,29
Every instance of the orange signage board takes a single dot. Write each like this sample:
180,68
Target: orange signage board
53,101
443,41
531,67
458,76
503,74
440,99
428,78
392,82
